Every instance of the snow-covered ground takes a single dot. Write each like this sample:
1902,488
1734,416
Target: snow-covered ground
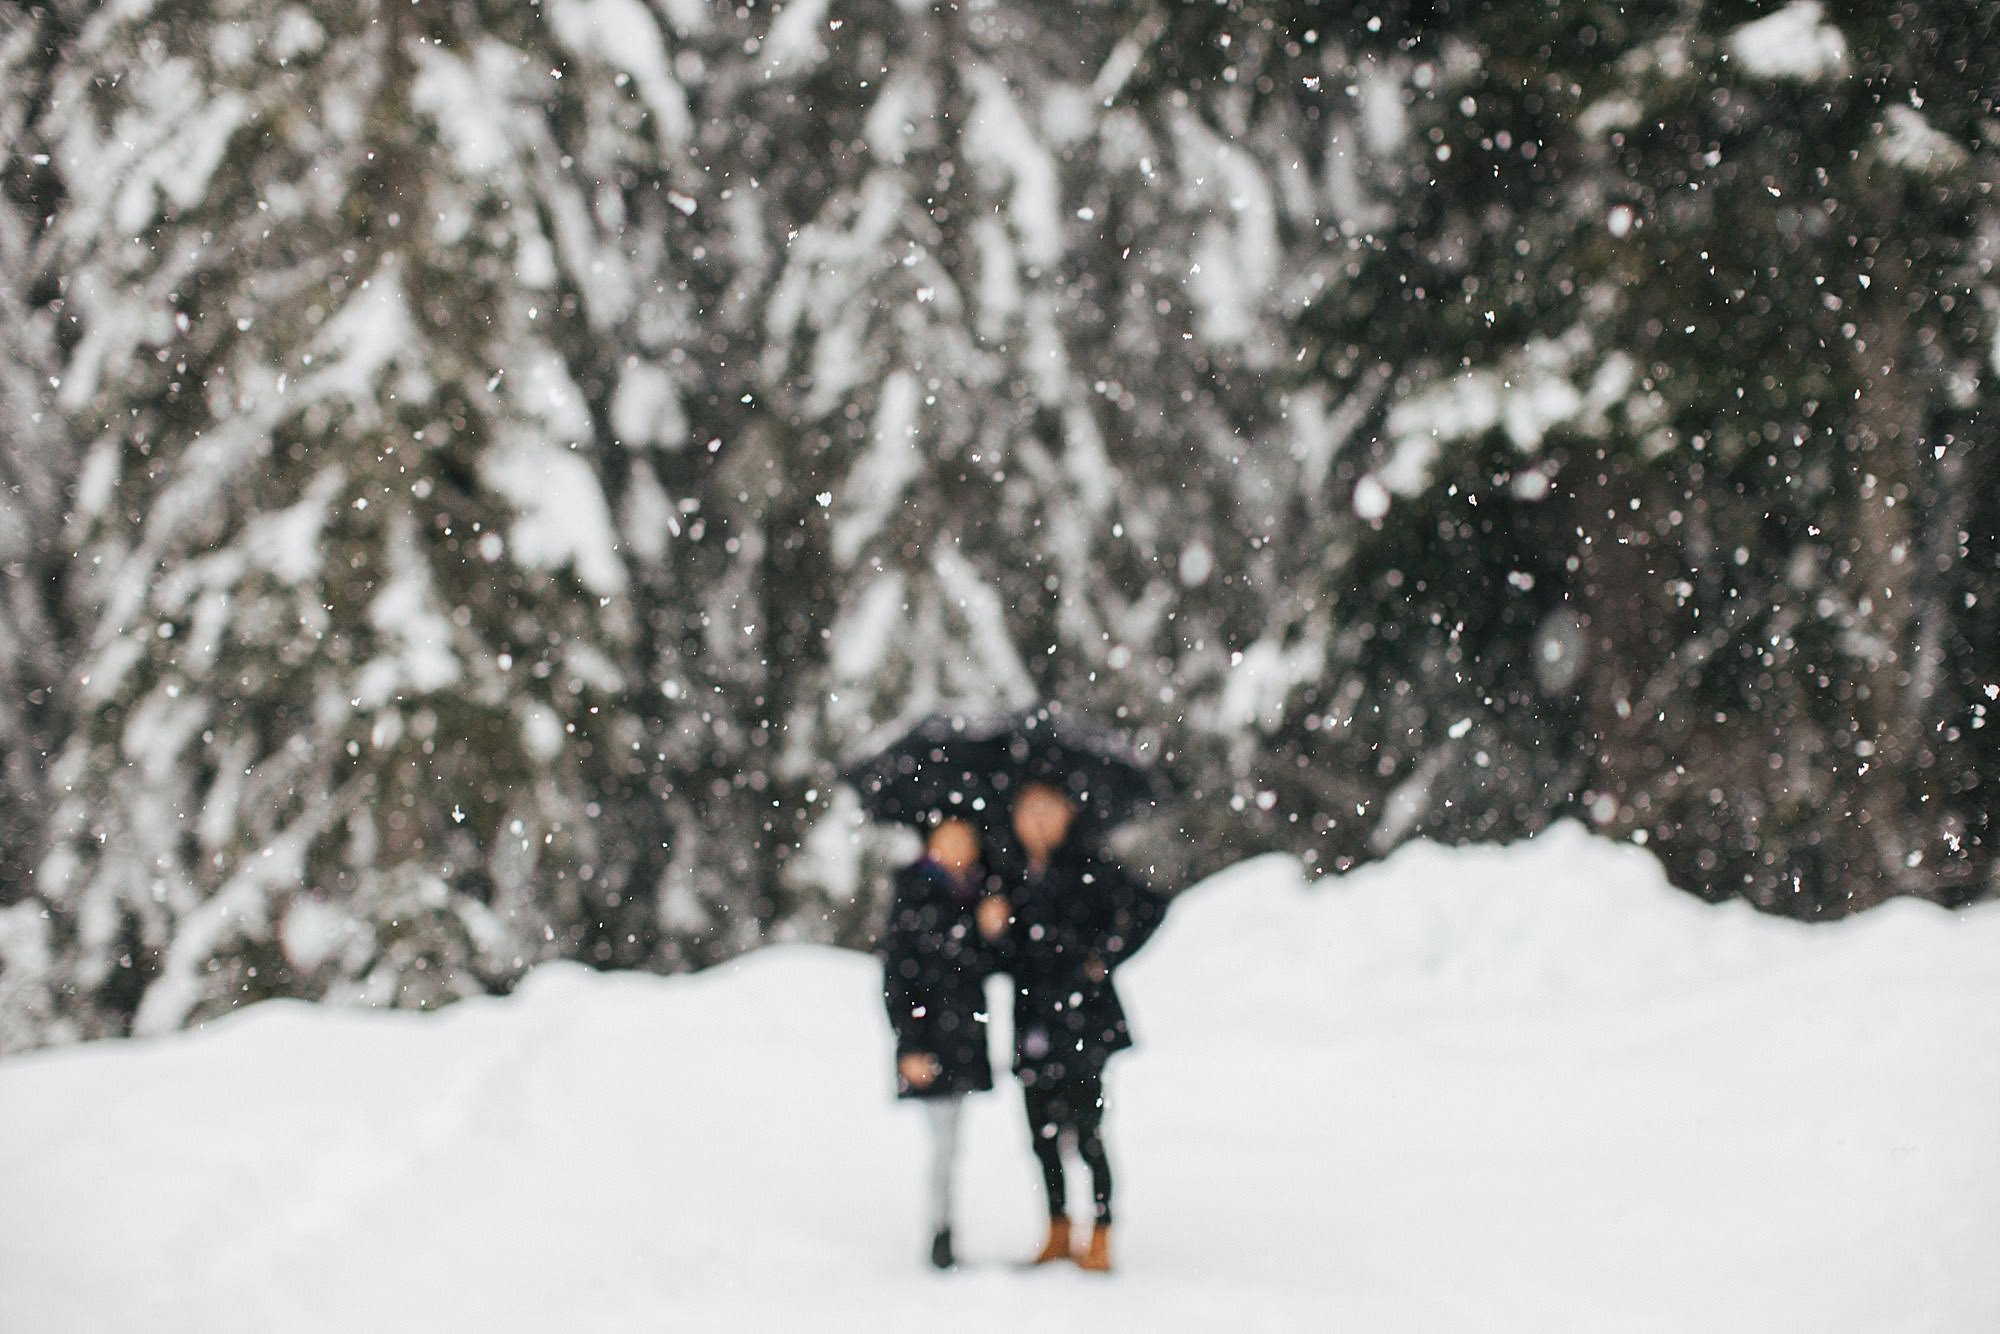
1529,1088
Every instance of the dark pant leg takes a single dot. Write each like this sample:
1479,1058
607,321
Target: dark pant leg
1045,1126
1086,1097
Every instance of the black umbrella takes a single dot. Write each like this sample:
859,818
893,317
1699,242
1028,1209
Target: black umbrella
946,764
1097,768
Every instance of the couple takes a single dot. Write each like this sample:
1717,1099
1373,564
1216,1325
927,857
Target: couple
1059,917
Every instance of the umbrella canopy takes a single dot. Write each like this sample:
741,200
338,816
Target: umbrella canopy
1094,766
946,764
952,763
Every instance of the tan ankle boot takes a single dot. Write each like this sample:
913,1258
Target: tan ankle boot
1097,1258
1057,1246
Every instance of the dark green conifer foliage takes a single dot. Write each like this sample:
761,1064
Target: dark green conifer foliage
473,470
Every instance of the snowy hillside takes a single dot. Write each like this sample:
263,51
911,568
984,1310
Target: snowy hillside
1528,1088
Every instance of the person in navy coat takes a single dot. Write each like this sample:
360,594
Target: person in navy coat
935,961
1076,915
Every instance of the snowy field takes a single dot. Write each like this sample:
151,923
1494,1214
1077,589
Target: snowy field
1490,1089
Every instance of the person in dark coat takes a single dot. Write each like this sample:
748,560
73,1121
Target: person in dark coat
1076,915
936,957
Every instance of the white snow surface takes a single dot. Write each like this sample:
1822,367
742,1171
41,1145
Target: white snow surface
1527,1088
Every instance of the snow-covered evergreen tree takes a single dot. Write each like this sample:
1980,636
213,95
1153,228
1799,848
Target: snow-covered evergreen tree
354,601
34,469
975,347
1590,356
1652,490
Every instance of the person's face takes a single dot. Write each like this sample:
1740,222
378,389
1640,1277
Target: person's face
1042,817
953,845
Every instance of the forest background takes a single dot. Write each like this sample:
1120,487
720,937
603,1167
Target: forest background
473,470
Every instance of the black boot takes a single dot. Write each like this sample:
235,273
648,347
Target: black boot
941,1256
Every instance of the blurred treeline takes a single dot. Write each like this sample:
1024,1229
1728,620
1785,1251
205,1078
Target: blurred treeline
473,469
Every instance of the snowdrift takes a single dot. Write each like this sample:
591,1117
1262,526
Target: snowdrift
1494,1088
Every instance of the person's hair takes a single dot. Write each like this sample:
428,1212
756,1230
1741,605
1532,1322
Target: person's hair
1050,786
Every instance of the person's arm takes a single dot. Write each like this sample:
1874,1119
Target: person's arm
902,1005
1136,911
993,919
916,1062
899,966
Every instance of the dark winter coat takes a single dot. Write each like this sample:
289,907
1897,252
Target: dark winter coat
934,970
1082,909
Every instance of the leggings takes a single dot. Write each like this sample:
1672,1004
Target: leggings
1072,1110
943,1115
